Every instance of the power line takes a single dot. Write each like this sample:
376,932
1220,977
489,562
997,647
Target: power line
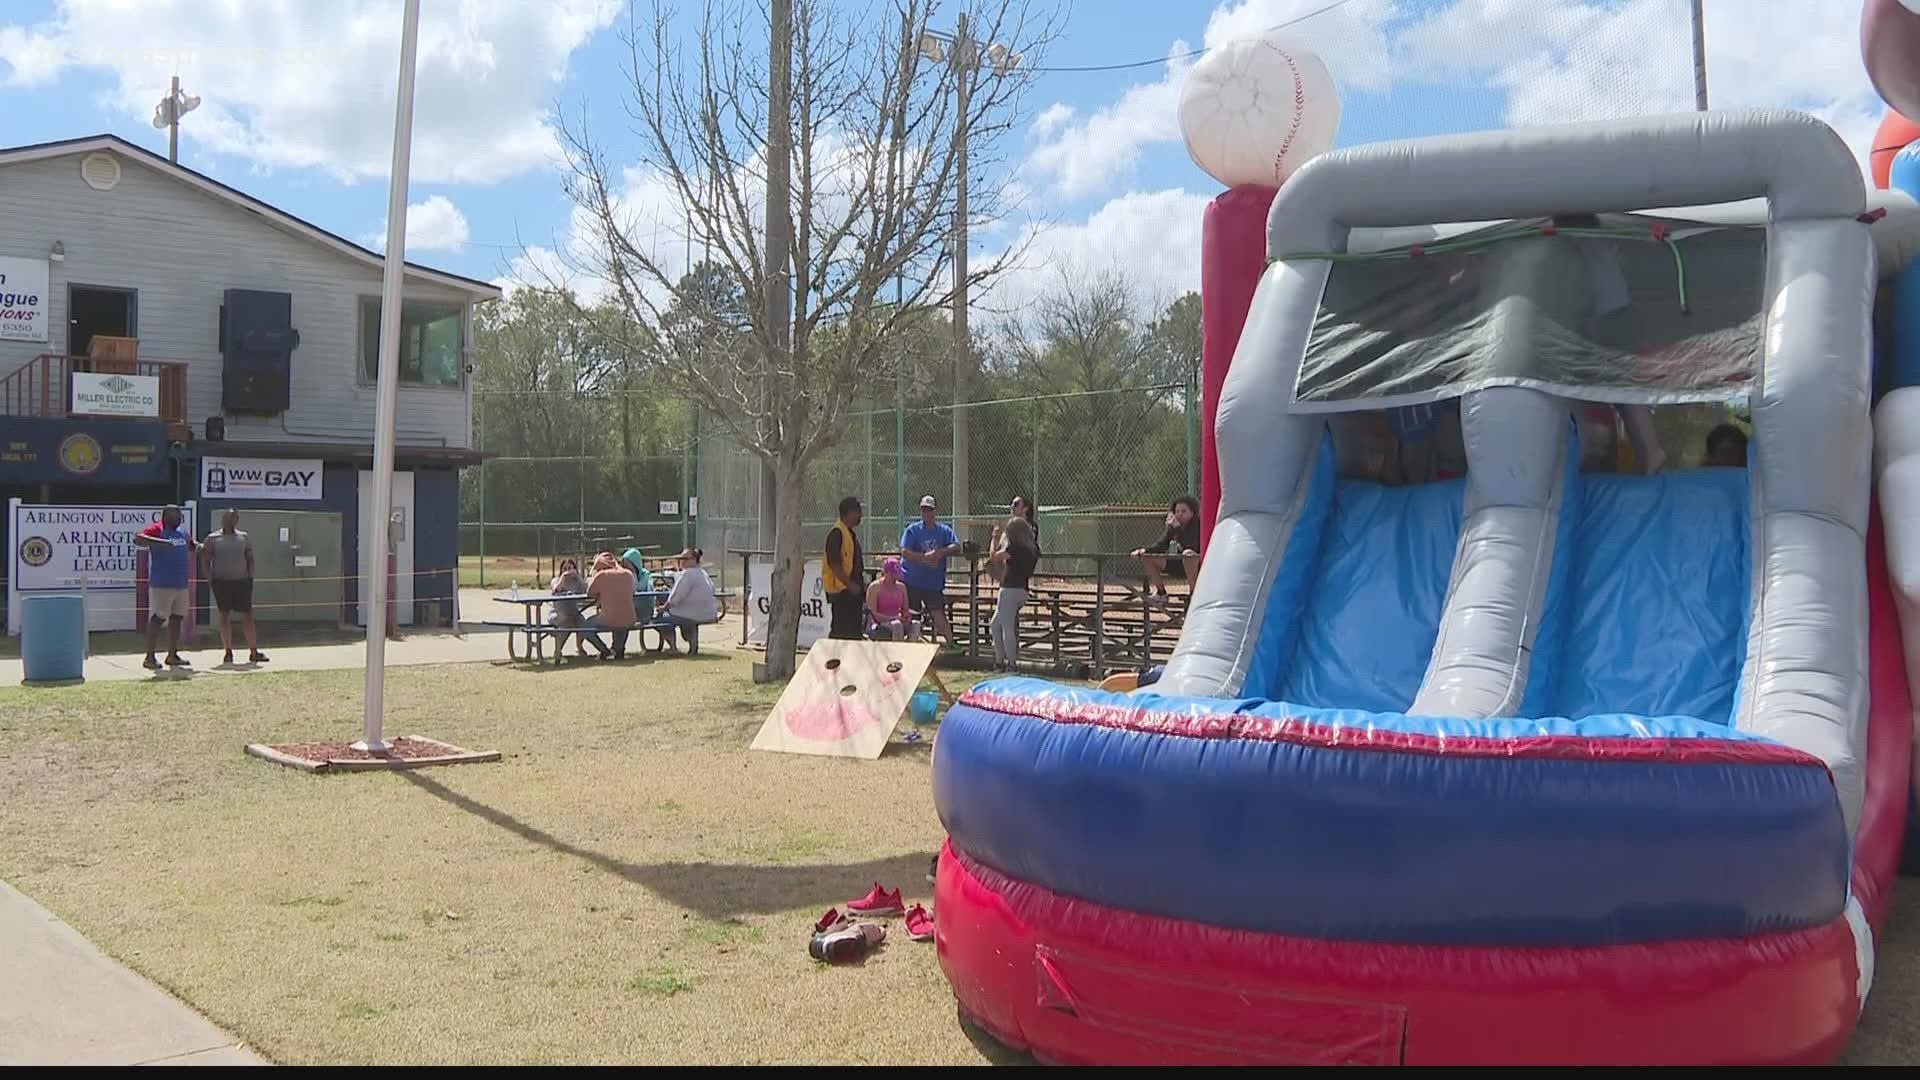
1190,53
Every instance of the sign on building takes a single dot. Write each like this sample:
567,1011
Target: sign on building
23,299
78,549
43,450
814,619
261,478
114,394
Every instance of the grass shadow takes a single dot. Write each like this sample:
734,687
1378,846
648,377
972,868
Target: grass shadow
713,890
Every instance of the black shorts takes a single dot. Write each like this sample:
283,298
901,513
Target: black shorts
1173,566
921,601
233,594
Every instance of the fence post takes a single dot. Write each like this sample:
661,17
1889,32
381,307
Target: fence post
686,494
900,451
1099,615
1033,428
1193,437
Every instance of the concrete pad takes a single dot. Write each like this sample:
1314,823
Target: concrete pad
67,1003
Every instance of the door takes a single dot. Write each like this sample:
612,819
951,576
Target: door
372,547
94,309
297,571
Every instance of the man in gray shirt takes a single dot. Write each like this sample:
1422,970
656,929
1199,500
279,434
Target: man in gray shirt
229,567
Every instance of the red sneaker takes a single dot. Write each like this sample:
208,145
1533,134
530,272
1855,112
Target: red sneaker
878,902
919,923
830,921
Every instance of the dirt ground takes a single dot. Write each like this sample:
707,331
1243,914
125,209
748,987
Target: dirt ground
628,884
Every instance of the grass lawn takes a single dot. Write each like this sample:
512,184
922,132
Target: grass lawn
629,885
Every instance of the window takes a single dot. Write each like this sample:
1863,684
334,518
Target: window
432,342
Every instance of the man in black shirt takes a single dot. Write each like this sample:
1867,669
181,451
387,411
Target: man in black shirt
843,574
1177,553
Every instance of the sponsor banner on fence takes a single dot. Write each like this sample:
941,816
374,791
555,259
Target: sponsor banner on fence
73,548
261,478
115,394
814,621
23,299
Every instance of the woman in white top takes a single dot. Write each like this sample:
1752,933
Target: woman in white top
690,603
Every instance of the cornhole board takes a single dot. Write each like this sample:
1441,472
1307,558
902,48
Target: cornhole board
846,698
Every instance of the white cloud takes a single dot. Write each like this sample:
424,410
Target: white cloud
286,83
433,225
1151,239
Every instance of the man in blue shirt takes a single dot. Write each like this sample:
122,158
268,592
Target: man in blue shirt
925,547
169,577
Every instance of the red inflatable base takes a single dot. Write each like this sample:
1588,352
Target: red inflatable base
1076,983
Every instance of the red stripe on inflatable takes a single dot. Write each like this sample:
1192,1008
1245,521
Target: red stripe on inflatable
1302,732
1889,764
1079,983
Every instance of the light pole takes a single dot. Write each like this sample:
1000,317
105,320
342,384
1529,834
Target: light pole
963,56
167,115
1699,57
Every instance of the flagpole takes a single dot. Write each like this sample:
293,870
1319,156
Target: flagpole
374,533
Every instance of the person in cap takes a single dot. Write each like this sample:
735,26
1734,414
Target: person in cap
690,604
925,547
887,603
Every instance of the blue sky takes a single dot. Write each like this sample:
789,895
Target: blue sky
299,99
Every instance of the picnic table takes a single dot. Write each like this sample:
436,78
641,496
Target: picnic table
537,630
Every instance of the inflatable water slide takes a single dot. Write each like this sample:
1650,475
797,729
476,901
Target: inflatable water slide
1527,759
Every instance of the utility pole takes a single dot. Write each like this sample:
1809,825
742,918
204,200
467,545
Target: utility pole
167,115
779,240
1699,56
963,65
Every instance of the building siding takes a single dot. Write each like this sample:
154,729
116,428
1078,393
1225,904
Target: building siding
181,248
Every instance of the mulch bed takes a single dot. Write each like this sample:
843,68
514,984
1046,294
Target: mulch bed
403,747
405,752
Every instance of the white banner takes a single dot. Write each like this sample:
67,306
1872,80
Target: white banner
115,394
261,478
86,549
814,619
23,299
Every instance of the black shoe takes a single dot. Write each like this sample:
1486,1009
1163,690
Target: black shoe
150,663
176,660
256,657
227,657
933,869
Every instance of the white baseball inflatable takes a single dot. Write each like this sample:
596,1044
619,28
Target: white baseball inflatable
1256,109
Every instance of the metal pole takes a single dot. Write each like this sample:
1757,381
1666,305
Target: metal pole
899,418
373,554
481,438
779,238
866,477
963,74
686,491
173,122
1699,56
1193,436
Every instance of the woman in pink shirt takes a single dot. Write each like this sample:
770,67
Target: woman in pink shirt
610,589
887,604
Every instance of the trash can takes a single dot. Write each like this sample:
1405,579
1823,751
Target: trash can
53,638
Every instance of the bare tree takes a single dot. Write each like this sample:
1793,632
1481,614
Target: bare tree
868,141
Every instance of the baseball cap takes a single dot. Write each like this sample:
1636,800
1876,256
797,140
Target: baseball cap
928,502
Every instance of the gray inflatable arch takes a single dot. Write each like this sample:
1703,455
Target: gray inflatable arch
1804,679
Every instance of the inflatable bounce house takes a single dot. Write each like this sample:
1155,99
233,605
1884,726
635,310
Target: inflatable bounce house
1542,696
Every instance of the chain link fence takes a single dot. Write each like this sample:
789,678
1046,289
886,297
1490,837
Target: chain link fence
1100,465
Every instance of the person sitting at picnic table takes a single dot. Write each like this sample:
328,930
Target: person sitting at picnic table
566,613
610,590
887,604
642,584
690,604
